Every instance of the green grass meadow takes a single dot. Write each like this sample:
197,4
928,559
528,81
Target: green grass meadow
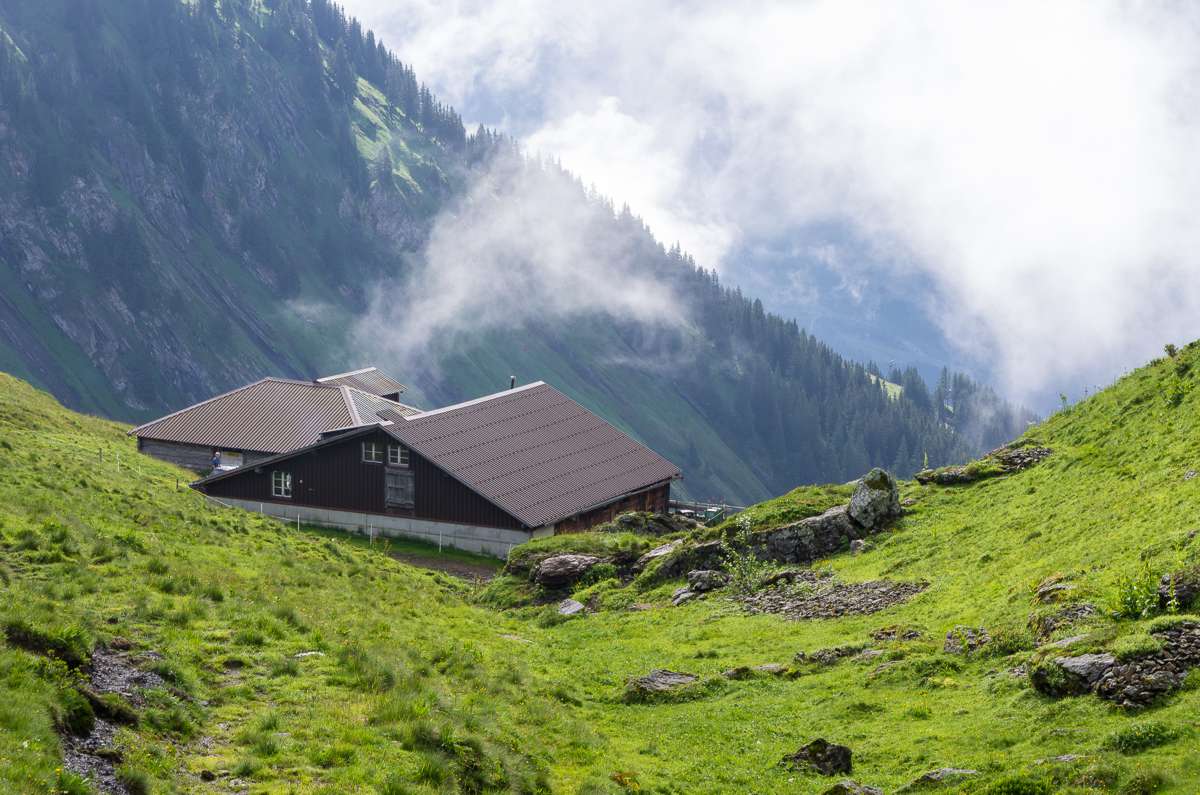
419,686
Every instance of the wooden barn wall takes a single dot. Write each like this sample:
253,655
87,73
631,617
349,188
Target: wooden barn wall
655,500
336,477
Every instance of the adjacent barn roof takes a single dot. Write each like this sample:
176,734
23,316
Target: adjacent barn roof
533,452
369,379
270,416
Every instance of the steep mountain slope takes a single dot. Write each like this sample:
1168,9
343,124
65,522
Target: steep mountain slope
198,194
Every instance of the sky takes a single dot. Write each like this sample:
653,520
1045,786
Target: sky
1030,165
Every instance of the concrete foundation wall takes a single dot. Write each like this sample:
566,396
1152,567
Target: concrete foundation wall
492,541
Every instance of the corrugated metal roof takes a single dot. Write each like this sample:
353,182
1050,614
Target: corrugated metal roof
534,452
368,379
273,415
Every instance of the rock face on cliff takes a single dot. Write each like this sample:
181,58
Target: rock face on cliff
874,504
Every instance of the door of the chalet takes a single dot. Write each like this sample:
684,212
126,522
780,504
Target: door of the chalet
398,485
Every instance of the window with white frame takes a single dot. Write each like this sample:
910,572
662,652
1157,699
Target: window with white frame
397,455
372,452
281,484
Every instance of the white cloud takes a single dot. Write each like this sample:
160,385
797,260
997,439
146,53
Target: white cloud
1035,160
523,244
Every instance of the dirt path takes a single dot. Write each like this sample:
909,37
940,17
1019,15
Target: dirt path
464,570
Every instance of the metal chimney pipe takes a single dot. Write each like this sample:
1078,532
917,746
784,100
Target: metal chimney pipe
512,382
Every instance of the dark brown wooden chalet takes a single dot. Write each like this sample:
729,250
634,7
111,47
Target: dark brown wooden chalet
482,475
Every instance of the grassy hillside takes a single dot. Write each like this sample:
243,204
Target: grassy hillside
420,687
409,689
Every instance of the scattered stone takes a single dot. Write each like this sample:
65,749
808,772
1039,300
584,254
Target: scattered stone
875,501
859,546
705,580
656,683
306,654
1064,759
683,596
851,787
570,607
1140,682
964,640
908,502
832,599
896,633
1189,475
639,606
826,758
943,776
558,571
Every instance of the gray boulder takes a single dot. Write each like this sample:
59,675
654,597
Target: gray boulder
704,580
1071,676
876,501
942,777
559,571
570,607
851,787
683,596
859,546
821,756
656,684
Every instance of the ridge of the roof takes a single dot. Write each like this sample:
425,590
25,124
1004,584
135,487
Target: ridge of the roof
359,371
157,420
474,401
349,401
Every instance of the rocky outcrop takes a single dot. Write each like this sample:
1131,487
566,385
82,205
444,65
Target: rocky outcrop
683,558
1071,676
874,504
820,756
1001,461
1132,683
559,571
